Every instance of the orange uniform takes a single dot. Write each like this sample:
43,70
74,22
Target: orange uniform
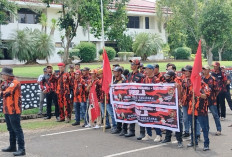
201,105
186,91
63,93
11,94
79,90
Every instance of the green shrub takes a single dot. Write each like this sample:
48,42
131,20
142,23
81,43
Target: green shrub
182,53
74,52
110,52
87,51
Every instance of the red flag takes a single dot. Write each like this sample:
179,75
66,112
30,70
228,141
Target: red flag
93,101
107,74
197,68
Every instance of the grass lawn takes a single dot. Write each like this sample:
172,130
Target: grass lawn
36,70
37,124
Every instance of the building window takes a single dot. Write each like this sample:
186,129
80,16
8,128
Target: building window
147,22
133,22
27,16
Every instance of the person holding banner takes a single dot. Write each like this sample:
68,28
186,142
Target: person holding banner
135,77
159,77
121,128
212,99
151,78
83,108
201,114
169,78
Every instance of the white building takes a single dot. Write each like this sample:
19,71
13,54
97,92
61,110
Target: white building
141,14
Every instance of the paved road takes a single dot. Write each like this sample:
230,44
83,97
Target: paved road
85,142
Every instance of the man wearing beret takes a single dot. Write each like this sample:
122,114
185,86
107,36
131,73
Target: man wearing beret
63,93
12,106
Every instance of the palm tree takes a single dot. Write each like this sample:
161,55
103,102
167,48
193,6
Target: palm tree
21,45
44,45
29,45
146,44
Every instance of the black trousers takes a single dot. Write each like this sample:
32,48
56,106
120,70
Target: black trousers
178,134
15,130
52,97
121,126
132,128
221,104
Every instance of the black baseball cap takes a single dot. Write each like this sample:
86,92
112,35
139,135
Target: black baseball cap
170,73
118,69
188,68
86,69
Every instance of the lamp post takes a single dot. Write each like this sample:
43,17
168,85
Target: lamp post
103,42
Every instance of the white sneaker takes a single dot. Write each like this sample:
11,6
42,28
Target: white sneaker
147,137
96,127
157,139
222,118
87,126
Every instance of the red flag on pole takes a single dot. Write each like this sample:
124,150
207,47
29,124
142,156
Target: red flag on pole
107,73
197,68
93,101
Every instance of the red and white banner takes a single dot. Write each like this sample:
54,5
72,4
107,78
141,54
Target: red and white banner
149,105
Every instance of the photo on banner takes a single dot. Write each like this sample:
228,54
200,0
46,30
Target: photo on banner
149,105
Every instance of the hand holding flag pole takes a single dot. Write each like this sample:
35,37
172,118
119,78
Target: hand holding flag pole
196,82
106,80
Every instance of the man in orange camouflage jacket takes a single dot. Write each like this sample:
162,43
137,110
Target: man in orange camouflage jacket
12,106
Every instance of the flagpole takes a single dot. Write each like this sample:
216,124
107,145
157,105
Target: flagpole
104,123
193,121
102,21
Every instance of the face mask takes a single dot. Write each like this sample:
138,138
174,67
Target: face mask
168,80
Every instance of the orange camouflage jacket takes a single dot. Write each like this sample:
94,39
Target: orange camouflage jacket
11,94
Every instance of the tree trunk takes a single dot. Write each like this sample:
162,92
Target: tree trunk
220,54
88,33
210,56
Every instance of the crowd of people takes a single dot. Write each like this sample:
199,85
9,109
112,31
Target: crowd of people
69,90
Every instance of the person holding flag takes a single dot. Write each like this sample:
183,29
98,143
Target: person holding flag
199,104
94,92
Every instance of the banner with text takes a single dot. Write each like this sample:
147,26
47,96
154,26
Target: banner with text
149,105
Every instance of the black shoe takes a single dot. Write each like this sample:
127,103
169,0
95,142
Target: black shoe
45,118
9,149
141,136
130,134
108,127
83,125
198,138
20,152
166,140
115,131
186,134
123,132
76,123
